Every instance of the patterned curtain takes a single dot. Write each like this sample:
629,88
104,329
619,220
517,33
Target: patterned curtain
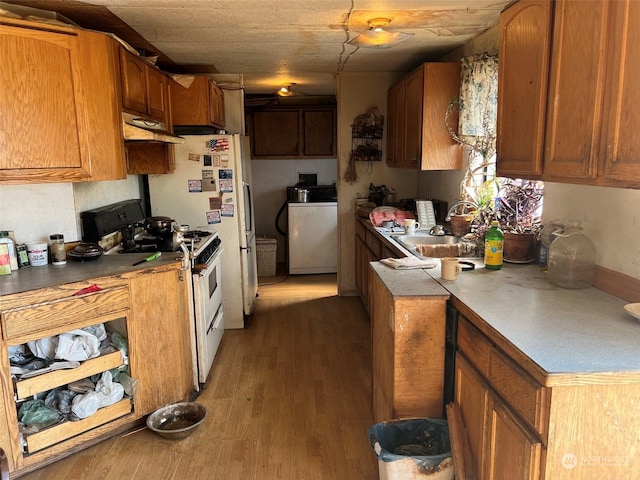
478,95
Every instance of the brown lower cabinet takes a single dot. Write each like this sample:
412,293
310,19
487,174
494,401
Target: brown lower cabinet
407,334
550,427
147,307
369,248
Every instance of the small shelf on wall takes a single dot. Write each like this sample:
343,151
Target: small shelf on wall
366,137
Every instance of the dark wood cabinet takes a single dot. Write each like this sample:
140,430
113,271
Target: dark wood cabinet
293,132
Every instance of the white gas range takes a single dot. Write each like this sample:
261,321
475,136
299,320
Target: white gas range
205,253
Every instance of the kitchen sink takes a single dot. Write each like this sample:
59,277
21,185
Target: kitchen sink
426,239
423,245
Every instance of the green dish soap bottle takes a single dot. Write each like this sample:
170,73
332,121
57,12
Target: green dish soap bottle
493,243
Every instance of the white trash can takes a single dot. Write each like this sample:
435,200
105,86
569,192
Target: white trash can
266,250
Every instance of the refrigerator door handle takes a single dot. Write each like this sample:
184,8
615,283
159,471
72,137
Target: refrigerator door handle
249,207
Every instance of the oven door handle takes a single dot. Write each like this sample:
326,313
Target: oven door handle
215,323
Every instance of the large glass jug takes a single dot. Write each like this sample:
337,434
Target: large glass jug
572,257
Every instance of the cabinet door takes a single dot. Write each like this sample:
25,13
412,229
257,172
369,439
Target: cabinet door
395,125
472,395
621,136
157,94
512,452
275,134
438,151
216,105
134,83
159,340
319,133
414,96
42,125
525,38
574,108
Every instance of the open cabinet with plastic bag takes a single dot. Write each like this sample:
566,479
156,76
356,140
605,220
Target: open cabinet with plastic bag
64,367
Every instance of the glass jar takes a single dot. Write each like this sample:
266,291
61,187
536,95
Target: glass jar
58,252
572,257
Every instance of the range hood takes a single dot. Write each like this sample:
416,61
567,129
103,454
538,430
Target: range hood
139,129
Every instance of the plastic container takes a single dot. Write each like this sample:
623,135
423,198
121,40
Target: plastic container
58,252
266,250
11,246
493,247
399,444
572,257
38,254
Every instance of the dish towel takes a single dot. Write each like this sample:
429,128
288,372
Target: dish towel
407,263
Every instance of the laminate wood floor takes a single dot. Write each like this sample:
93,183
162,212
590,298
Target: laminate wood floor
288,398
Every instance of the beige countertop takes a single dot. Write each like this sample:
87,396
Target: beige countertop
562,331
32,278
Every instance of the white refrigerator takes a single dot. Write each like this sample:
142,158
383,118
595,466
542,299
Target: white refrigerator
211,187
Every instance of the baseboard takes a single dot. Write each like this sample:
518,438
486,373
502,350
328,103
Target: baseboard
617,284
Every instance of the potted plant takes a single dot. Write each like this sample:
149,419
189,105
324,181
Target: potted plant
518,209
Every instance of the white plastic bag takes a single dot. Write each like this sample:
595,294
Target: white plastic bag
107,392
84,406
98,330
111,391
44,347
77,345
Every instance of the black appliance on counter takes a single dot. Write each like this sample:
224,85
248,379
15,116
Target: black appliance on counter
102,226
317,193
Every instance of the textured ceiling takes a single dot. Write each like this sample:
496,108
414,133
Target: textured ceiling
278,42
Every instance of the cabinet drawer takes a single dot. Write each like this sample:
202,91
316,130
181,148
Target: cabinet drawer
60,313
63,431
522,393
475,346
42,383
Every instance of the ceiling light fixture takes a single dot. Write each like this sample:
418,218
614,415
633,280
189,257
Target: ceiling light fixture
377,37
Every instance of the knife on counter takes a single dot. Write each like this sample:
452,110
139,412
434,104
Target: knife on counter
150,258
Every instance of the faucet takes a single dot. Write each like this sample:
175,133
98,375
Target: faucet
457,204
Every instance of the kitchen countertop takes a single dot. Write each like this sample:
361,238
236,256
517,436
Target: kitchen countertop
563,332
32,278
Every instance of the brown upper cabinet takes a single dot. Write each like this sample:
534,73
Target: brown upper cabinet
201,104
293,132
417,136
568,104
60,106
144,88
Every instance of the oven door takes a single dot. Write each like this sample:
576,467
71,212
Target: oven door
209,319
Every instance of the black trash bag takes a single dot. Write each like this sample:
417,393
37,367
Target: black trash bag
424,440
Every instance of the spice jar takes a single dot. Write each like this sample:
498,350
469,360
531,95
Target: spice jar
58,252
